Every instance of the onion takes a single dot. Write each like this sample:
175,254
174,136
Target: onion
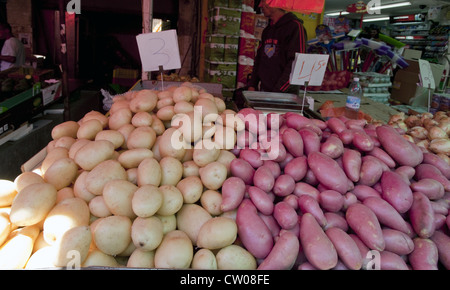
440,146
436,132
418,132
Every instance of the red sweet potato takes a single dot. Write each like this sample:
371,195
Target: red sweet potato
328,172
442,242
308,204
332,146
261,199
397,242
430,171
252,231
311,141
293,142
421,215
331,200
318,248
233,191
336,125
363,221
285,215
297,168
383,156
401,150
386,214
392,261
263,178
424,256
284,185
396,191
371,171
351,163
283,254
335,220
438,162
252,156
432,188
242,169
346,248
363,191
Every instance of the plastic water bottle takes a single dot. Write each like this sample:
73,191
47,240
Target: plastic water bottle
353,99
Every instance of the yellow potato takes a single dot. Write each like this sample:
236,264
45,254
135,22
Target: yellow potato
120,118
143,101
175,251
113,136
189,124
96,258
61,173
165,94
206,95
93,153
89,129
127,252
220,104
213,175
132,175
5,227
191,188
166,113
141,119
211,201
141,137
67,128
73,248
172,144
171,170
117,195
52,156
76,146
98,207
208,107
149,172
183,107
147,233
158,125
65,141
40,242
146,200
235,257
190,168
133,157
172,201
23,180
67,214
125,130
225,137
205,152
225,157
141,259
217,233
204,259
79,187
169,222
102,173
7,192
188,155
182,93
162,103
190,219
119,104
97,116
112,234
32,204
64,193
155,149
41,259
17,249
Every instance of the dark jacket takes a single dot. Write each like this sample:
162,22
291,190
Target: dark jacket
276,52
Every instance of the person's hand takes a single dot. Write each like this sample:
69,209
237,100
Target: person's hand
251,89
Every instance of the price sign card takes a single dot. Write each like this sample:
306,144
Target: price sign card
159,49
308,68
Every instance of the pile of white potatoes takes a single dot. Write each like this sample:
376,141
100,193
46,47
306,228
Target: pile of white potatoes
137,187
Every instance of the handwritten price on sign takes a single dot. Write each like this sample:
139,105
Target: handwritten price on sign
159,49
308,68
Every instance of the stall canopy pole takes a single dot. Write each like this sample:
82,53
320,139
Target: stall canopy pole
64,62
147,25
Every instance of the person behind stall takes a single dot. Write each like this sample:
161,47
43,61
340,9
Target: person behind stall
13,51
280,41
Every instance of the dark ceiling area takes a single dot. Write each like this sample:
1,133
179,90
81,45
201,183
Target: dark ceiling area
161,9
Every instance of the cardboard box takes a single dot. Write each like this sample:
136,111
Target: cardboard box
405,82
